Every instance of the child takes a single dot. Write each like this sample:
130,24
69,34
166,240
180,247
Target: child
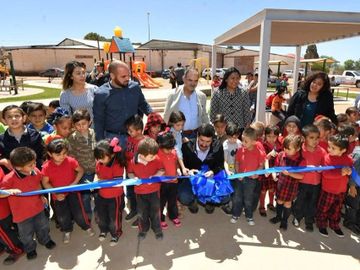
52,106
334,186
59,171
154,125
276,105
61,120
220,126
109,203
353,114
272,147
291,127
37,116
248,158
176,122
9,239
230,146
288,182
135,128
18,135
82,144
349,132
168,190
309,186
324,126
144,165
27,211
342,119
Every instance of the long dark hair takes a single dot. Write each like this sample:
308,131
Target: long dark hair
228,72
69,69
319,75
103,148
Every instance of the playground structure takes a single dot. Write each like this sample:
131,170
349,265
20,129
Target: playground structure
139,72
4,72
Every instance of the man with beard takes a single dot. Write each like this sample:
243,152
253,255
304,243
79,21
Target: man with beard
115,102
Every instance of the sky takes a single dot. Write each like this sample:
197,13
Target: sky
47,22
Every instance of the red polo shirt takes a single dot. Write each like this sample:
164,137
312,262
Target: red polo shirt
169,162
145,171
250,160
315,158
25,207
4,203
107,172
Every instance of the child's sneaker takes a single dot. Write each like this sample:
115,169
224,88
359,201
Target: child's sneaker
66,237
323,232
309,227
339,233
234,219
250,221
283,226
50,244
102,236
114,241
31,255
262,212
296,222
12,258
135,224
159,236
141,235
164,225
176,222
90,232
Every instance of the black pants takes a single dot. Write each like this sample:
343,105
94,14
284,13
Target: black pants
168,195
130,194
149,211
71,208
257,192
306,202
8,236
352,210
110,214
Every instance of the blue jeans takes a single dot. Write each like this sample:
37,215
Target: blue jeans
38,224
86,194
243,196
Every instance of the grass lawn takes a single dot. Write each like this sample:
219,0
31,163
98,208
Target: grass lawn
47,94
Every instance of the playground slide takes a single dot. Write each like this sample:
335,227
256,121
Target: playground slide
146,80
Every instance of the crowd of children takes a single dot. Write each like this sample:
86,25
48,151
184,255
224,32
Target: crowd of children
47,149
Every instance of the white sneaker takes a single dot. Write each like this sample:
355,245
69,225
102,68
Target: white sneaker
250,221
233,219
90,232
102,236
66,238
295,222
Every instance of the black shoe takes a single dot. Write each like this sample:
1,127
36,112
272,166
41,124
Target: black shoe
275,220
227,209
323,232
262,212
50,244
283,226
135,224
131,215
193,207
141,235
339,233
309,227
159,236
209,208
12,258
31,255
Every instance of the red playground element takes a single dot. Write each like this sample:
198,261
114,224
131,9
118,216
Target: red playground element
139,72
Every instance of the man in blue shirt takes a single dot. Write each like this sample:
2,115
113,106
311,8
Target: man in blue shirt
115,102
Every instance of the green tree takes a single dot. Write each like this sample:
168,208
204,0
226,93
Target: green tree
95,36
311,52
349,64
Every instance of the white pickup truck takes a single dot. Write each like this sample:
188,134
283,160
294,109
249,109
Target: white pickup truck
350,77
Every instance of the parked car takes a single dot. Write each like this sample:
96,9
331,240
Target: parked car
290,73
52,73
165,74
219,71
349,77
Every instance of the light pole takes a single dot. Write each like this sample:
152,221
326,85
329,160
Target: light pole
148,22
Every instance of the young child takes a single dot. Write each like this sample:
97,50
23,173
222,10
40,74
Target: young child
276,105
220,126
110,201
52,106
154,124
61,121
248,158
342,119
309,186
27,211
349,132
37,116
135,128
59,171
268,184
353,114
230,146
325,127
334,186
18,135
288,182
168,190
291,127
82,145
9,240
144,165
176,122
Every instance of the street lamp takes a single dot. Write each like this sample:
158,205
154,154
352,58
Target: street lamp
148,22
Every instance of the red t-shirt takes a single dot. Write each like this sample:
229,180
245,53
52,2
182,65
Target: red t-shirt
23,207
60,175
131,147
145,171
107,172
169,162
250,160
4,203
315,158
324,145
332,180
352,147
